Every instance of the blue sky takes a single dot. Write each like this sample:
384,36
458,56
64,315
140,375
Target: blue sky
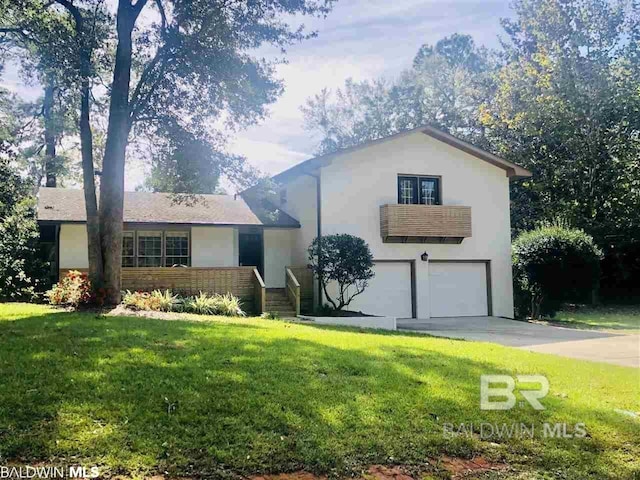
361,39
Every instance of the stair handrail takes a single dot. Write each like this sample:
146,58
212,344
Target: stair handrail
293,289
260,291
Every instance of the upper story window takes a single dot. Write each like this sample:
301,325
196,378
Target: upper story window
419,190
157,248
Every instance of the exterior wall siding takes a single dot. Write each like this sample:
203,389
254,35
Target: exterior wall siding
214,246
277,256
74,252
357,184
210,246
301,205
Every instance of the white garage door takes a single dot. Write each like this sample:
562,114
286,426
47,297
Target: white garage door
388,293
458,289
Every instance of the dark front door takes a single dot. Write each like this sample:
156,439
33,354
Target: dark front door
251,250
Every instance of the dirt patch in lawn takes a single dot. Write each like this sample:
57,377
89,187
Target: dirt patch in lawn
463,468
451,467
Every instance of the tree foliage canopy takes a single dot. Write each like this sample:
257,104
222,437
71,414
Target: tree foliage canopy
561,98
22,274
184,74
443,88
343,259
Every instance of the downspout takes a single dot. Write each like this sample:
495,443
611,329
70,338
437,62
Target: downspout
57,254
319,230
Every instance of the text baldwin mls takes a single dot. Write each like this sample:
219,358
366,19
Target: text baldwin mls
27,471
488,431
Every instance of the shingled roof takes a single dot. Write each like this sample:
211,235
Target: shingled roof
67,205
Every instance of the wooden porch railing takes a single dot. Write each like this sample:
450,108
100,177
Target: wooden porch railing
304,277
292,289
260,292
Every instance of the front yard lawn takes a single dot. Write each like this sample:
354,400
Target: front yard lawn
226,397
606,317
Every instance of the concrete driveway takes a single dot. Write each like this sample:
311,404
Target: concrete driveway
618,349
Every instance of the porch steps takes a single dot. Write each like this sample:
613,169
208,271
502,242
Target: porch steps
278,302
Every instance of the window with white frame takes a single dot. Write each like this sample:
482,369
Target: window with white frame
128,249
176,249
149,249
419,190
156,248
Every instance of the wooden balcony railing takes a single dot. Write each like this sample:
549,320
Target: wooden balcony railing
424,223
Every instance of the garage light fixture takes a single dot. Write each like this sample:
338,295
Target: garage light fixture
424,257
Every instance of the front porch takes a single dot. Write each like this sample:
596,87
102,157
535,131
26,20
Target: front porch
244,282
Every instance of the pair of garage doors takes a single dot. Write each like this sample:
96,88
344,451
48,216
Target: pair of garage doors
454,289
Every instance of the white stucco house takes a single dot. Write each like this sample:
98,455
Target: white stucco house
433,209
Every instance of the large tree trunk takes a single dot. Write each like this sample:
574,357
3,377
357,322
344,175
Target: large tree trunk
50,167
112,183
86,149
96,271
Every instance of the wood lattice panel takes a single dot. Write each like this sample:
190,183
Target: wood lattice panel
190,281
429,223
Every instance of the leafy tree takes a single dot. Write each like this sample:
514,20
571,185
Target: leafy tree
567,107
344,259
42,47
182,162
553,264
189,63
446,86
22,274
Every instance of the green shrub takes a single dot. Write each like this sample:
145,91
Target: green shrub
74,289
343,259
229,305
204,304
165,301
201,304
23,275
157,301
551,265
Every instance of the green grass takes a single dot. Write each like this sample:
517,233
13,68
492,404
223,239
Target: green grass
613,317
214,398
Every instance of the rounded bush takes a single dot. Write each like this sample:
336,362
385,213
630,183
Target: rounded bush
551,265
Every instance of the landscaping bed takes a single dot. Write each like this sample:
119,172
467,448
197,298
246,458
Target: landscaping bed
232,397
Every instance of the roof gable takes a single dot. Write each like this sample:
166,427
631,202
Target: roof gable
512,170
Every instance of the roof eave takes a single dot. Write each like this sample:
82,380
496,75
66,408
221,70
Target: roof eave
513,171
309,166
49,221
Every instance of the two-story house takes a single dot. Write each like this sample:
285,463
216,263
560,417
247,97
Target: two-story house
433,209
